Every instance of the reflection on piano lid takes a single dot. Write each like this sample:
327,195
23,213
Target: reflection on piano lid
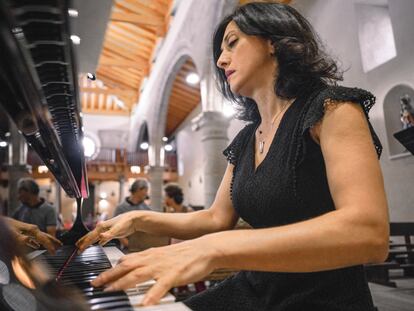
38,83
87,266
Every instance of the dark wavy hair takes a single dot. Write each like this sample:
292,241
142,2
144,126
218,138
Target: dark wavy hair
302,63
175,193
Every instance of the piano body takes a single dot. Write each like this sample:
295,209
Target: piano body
39,91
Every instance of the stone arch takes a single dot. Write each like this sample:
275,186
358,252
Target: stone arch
392,120
143,135
160,113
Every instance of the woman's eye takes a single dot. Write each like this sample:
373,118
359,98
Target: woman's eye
232,43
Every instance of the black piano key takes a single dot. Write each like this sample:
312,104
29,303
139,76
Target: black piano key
81,271
109,298
111,305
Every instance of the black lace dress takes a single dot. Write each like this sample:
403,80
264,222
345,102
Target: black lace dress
289,186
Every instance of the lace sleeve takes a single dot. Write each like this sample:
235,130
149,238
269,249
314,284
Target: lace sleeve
341,94
236,147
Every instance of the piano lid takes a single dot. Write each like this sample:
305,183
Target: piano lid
38,86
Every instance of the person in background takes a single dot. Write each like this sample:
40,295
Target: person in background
134,202
173,200
34,209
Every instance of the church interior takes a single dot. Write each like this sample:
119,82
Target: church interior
137,81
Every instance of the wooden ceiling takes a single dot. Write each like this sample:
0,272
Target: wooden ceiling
132,35
183,99
280,1
135,29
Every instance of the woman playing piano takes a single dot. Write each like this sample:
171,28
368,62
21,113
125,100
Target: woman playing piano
304,173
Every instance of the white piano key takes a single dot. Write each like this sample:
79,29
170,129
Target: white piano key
136,295
113,254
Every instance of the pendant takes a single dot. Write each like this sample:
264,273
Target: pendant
261,146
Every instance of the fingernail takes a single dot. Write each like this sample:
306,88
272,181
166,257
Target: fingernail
108,289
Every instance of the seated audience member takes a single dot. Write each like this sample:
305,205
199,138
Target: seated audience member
135,201
34,209
173,199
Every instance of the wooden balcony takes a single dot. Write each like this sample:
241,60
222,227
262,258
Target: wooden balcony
113,165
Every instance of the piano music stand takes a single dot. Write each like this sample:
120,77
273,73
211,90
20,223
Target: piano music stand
406,138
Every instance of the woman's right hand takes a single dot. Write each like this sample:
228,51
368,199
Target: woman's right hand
120,226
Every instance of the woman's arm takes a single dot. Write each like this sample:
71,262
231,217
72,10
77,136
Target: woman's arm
220,216
356,232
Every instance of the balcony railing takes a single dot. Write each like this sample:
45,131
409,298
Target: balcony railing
116,156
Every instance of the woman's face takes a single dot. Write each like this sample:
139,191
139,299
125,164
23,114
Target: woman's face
247,61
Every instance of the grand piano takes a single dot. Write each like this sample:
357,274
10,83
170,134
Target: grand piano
39,92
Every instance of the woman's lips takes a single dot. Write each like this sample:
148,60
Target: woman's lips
229,73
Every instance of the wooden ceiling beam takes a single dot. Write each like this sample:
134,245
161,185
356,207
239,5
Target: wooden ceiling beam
133,32
115,80
106,112
174,108
138,19
116,92
124,48
113,62
150,12
120,34
179,88
139,7
181,99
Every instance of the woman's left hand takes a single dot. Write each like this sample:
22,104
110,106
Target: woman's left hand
32,236
169,266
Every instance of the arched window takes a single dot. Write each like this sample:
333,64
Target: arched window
392,117
91,145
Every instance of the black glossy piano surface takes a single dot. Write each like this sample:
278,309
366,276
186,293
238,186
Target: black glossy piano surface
80,271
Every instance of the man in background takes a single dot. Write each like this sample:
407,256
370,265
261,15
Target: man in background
34,209
134,202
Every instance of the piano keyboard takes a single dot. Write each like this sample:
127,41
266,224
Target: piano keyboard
87,266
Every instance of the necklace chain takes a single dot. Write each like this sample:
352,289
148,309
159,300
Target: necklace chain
262,141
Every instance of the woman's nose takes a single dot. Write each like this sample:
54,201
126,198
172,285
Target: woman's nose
223,61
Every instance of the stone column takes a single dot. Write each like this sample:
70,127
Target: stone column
121,189
18,167
213,128
58,198
156,173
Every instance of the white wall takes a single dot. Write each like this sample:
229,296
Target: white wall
190,158
335,21
112,130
